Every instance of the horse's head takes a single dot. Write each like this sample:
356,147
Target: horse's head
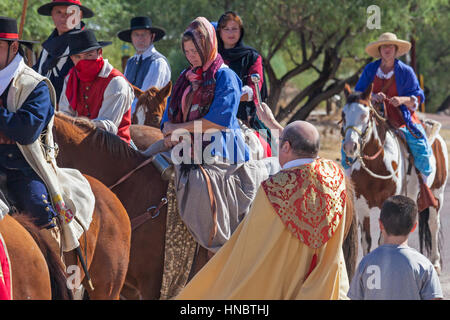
356,117
151,104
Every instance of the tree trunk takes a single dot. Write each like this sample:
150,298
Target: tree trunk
318,96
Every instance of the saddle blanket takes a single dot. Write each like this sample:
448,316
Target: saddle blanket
5,273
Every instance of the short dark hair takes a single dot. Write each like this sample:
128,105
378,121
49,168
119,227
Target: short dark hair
299,144
398,215
229,16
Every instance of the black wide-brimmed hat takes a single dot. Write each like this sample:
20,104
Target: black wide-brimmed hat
46,9
8,31
83,41
141,23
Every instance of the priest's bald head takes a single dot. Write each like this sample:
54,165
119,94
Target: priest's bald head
299,139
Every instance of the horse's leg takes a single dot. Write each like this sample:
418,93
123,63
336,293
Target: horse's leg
29,271
366,240
434,223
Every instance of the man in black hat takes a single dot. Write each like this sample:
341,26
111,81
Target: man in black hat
66,16
94,88
26,108
147,68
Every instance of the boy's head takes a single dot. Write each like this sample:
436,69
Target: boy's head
398,215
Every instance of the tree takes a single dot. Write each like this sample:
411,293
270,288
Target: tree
313,45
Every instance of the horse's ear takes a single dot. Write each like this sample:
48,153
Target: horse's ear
137,92
165,92
366,94
347,90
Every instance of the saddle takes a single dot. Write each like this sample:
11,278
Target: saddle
425,198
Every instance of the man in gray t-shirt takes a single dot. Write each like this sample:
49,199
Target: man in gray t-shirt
395,271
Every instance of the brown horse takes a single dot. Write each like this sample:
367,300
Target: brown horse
144,136
106,244
112,160
102,155
150,105
108,247
29,272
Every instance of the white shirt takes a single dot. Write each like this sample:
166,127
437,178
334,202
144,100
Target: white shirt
297,163
117,100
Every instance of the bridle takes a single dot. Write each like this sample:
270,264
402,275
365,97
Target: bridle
363,140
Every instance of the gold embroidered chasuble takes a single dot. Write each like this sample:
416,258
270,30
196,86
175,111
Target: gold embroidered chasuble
297,215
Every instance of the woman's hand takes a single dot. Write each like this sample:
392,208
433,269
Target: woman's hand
398,101
168,128
378,98
247,94
265,114
168,143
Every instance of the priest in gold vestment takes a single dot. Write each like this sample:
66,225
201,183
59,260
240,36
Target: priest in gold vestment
289,246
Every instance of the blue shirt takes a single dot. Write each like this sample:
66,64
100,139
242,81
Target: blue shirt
25,125
223,111
406,82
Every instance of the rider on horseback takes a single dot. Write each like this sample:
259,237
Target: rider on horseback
396,88
50,63
95,89
147,68
22,124
27,151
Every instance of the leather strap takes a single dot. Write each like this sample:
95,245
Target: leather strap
125,177
147,215
212,199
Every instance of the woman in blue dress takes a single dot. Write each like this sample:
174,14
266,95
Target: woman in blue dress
204,105
207,94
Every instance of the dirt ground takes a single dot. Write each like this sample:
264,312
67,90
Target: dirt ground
330,148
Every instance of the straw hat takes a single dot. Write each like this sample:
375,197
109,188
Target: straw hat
372,49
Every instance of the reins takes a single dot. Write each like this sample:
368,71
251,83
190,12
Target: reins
126,176
362,136
151,212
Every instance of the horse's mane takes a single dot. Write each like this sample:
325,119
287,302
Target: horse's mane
354,97
101,139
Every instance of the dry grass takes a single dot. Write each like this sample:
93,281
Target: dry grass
445,133
330,136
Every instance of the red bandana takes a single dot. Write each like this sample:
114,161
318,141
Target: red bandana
86,71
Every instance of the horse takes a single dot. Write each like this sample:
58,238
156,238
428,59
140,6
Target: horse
106,246
143,188
112,160
150,105
381,168
24,247
143,136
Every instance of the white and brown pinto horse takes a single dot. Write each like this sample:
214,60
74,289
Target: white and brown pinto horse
380,168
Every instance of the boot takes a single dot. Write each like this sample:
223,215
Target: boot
425,198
